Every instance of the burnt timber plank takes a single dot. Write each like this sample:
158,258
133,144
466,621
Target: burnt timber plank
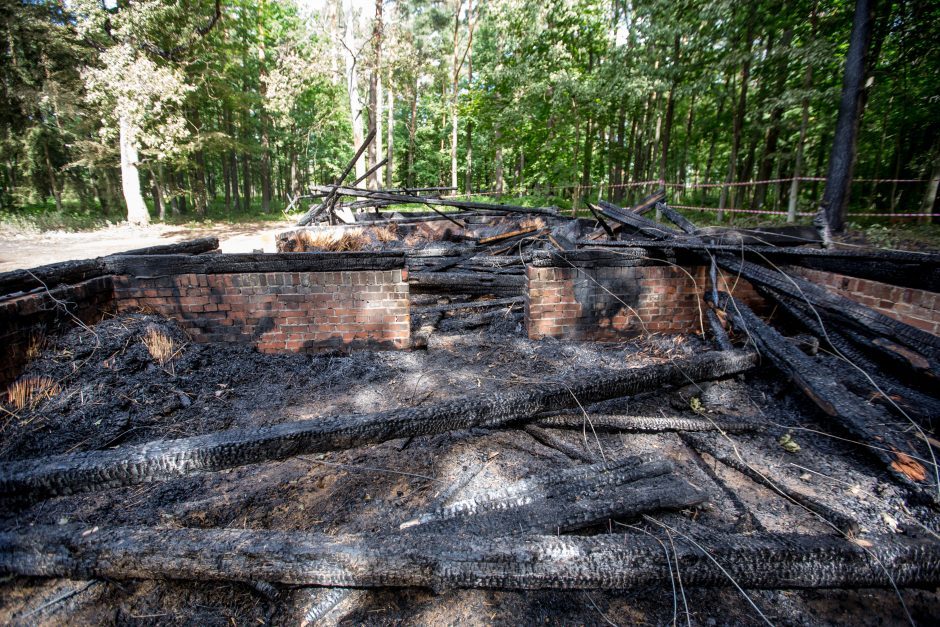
608,561
35,479
163,265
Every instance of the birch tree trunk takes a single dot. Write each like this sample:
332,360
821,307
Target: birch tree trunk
375,99
130,177
390,130
352,82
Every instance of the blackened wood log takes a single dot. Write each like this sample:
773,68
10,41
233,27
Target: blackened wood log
765,477
867,423
35,479
719,334
426,200
885,366
638,223
67,272
848,311
195,246
651,424
906,269
477,304
648,203
568,509
608,561
466,283
676,218
496,239
166,265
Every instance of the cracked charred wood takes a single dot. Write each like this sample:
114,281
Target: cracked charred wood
864,319
427,200
608,561
861,352
524,498
162,265
466,283
719,334
636,222
35,479
502,237
477,304
648,203
676,218
907,269
651,424
546,438
568,509
478,320
66,272
866,422
730,458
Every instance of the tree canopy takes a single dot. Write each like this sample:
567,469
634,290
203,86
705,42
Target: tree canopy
245,104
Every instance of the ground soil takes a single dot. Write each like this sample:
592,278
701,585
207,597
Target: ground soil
112,393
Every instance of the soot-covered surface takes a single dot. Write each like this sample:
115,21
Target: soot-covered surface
113,392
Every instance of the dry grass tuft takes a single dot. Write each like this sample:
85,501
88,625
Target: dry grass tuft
331,241
160,346
36,343
30,391
386,234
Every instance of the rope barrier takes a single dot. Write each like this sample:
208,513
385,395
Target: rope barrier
554,189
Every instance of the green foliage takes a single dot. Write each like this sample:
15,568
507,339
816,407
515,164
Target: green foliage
556,100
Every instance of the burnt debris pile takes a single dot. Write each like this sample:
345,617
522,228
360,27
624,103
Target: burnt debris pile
717,460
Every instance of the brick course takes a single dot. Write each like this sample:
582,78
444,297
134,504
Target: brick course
918,308
605,303
280,311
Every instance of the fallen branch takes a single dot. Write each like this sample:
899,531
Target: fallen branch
652,424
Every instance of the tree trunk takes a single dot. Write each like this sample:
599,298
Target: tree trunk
130,178
844,143
800,145
375,97
390,132
352,83
773,133
670,113
497,138
412,129
930,194
738,124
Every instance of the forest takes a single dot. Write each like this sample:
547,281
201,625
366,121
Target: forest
161,109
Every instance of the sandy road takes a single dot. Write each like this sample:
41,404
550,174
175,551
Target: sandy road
26,250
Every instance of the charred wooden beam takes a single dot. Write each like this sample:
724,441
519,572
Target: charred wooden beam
719,334
330,200
549,439
864,318
647,227
869,424
608,561
427,200
565,500
652,424
907,269
163,265
676,218
466,283
35,479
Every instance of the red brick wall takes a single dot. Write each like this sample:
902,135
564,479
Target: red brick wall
610,303
280,311
27,320
917,308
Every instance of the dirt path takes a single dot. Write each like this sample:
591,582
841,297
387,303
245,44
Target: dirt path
27,250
